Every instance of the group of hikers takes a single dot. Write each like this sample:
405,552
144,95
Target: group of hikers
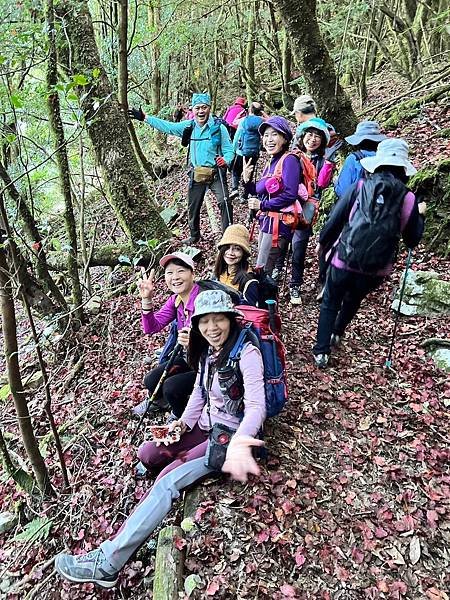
214,374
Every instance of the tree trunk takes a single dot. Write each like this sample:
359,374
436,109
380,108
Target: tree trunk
127,191
35,240
154,22
300,21
15,380
57,128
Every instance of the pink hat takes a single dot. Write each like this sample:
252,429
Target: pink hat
185,258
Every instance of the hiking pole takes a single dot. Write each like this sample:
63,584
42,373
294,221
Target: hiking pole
175,352
388,362
225,197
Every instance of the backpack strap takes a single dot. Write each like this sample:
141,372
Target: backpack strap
235,354
358,154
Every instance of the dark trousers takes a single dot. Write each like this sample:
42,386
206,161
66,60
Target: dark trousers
237,168
177,387
344,292
196,195
299,250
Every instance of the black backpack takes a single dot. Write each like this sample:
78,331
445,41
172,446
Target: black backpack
369,241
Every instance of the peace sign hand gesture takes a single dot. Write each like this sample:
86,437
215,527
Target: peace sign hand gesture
147,284
247,169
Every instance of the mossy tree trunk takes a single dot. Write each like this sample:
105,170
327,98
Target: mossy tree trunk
34,238
15,380
300,21
107,128
57,129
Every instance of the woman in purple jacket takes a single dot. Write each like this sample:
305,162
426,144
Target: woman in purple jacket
179,276
214,333
276,193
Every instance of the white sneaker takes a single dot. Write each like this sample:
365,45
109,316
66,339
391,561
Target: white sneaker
296,299
321,360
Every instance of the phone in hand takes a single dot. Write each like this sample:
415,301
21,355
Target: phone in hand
161,433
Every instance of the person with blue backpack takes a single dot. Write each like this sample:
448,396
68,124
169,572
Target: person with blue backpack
247,145
364,228
210,152
216,432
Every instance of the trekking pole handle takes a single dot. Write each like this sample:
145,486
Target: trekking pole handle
271,308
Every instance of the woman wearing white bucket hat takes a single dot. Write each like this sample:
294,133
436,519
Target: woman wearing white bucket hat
214,332
365,227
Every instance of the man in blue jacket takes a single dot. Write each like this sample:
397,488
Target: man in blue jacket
210,152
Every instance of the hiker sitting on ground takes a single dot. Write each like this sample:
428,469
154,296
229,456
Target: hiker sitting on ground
276,192
234,113
179,276
247,145
365,141
209,154
232,266
367,235
214,333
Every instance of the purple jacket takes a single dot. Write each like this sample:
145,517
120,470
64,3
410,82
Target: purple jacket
152,322
291,177
252,369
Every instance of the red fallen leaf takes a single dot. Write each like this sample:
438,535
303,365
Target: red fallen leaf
405,524
382,586
380,533
398,588
80,535
263,536
358,556
299,557
435,594
288,507
276,477
179,542
432,518
342,574
291,483
115,394
251,567
379,460
212,588
288,591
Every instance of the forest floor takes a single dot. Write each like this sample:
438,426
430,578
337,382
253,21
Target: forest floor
353,501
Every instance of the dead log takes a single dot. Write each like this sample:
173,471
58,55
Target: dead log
169,561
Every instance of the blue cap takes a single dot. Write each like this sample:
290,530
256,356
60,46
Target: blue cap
201,99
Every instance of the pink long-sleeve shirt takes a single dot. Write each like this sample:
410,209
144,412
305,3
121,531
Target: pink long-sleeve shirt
252,369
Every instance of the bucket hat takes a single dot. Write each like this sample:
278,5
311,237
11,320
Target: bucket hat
303,102
279,124
201,99
314,123
238,235
390,152
366,130
213,301
185,258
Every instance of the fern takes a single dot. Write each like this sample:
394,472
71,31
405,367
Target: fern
37,529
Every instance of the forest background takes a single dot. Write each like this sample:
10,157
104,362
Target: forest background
85,197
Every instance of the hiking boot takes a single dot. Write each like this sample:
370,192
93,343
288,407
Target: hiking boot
335,340
190,240
295,295
319,296
276,275
233,194
140,471
92,567
321,360
154,408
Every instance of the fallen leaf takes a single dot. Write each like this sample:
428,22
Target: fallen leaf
414,550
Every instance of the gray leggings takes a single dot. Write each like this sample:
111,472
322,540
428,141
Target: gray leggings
151,511
267,256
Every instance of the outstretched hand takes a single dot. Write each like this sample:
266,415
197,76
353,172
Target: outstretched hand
239,462
147,285
136,113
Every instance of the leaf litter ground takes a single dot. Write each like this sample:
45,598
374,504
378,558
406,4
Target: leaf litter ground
353,498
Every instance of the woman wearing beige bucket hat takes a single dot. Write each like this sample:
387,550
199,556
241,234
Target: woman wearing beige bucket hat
232,265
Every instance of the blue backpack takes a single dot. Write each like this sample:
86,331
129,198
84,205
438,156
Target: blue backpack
250,140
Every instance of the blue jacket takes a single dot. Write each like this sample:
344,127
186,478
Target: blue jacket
247,141
350,173
202,152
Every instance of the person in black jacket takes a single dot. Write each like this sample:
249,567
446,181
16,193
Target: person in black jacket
346,286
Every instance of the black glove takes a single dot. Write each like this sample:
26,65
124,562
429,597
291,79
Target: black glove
330,151
136,113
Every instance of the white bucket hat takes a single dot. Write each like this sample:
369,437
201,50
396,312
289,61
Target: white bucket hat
213,301
390,152
366,130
